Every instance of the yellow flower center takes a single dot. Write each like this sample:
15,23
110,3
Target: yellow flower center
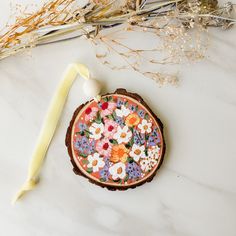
123,135
145,127
97,131
119,170
137,152
94,163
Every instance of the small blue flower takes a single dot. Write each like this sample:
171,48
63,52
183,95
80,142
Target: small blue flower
120,121
77,145
132,108
99,104
83,126
155,133
139,138
154,138
119,103
141,113
133,170
152,141
104,172
84,141
91,147
84,146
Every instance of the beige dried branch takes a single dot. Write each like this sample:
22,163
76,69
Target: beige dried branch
179,25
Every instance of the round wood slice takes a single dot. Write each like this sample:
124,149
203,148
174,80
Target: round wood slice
116,142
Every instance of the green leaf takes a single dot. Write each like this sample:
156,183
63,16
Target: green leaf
146,151
131,129
131,142
87,131
130,159
110,117
116,180
105,99
136,108
126,178
90,170
146,116
114,115
83,155
84,161
102,180
98,121
110,98
87,135
81,133
98,118
146,137
113,141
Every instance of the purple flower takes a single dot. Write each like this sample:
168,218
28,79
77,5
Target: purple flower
82,126
104,172
133,170
99,105
154,138
139,138
120,121
132,108
141,113
119,102
84,141
91,148
84,146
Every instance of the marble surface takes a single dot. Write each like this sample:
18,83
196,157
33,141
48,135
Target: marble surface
193,194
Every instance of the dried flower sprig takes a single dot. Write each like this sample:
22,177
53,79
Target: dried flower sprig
178,25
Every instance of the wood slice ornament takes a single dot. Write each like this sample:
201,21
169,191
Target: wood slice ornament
116,142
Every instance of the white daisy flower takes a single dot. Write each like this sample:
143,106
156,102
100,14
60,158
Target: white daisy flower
137,152
117,171
95,162
122,135
145,126
96,130
154,152
122,112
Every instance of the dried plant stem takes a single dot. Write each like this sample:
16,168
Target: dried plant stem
171,22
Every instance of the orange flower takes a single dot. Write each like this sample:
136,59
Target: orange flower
119,153
132,119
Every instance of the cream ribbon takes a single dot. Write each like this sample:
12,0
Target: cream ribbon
49,125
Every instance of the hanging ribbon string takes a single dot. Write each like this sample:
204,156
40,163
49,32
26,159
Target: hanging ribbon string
51,120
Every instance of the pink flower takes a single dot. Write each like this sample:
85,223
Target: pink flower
90,113
104,147
107,108
110,128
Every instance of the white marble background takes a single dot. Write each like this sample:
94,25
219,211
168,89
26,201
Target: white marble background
193,194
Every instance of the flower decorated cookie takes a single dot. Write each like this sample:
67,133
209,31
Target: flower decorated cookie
116,142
